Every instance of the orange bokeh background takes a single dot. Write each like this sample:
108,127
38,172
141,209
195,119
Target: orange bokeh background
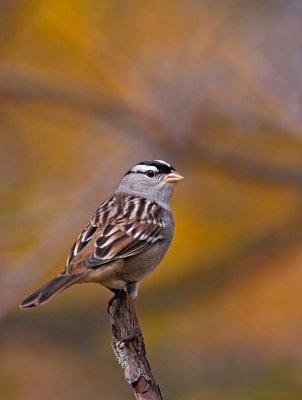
89,88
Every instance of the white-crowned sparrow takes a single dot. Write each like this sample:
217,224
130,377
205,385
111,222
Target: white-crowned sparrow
125,239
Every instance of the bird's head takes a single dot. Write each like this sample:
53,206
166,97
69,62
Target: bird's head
153,179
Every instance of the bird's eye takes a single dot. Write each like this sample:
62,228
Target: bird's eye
150,173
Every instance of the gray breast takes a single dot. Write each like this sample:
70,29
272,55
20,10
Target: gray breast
139,266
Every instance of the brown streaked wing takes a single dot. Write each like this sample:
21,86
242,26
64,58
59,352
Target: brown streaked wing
99,218
81,242
130,239
121,227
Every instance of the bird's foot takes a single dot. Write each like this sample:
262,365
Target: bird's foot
137,334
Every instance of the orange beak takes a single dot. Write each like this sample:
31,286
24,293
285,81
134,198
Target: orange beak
174,177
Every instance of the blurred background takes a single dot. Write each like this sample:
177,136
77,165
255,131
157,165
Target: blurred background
89,88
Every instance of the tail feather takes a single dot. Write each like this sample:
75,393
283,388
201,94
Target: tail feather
46,292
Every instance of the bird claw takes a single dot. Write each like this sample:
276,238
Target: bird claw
136,334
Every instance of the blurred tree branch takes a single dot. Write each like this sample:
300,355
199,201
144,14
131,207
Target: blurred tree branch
23,82
131,354
247,166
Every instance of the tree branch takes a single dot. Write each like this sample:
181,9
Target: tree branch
129,349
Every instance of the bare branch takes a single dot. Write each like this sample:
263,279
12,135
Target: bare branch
129,349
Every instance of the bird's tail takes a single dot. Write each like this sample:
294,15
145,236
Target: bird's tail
53,287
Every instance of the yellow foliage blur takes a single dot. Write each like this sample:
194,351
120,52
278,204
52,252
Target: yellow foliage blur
89,88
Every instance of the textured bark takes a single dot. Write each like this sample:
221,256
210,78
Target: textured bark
131,353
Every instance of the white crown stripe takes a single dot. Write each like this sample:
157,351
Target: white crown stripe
144,168
163,162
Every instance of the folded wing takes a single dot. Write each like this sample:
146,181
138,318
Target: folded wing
121,227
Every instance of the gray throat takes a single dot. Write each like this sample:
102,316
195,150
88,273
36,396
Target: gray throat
161,195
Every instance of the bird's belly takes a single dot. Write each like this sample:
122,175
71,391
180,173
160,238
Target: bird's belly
117,274
115,284
138,267
108,275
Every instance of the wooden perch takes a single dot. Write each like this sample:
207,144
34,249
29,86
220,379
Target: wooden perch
129,349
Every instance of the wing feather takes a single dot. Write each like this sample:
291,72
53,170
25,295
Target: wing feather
116,231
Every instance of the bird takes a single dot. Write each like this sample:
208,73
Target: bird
125,239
